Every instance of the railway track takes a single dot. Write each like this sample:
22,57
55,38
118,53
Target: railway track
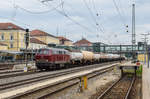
120,89
47,76
14,73
9,65
27,82
46,91
10,71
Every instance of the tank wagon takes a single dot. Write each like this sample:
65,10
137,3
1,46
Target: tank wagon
88,57
55,58
76,57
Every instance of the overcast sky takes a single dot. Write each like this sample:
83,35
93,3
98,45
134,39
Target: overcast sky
95,20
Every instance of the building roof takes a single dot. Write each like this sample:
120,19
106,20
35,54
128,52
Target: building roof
83,41
9,26
2,44
63,38
34,40
40,33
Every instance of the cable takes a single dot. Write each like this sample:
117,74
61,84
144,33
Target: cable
93,3
40,12
97,14
64,14
73,11
122,8
94,19
117,9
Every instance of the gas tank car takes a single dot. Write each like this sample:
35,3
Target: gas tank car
76,57
87,57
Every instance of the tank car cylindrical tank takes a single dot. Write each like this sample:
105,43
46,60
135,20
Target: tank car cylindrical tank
97,56
88,56
76,57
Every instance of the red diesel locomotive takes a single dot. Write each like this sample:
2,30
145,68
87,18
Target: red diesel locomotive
52,58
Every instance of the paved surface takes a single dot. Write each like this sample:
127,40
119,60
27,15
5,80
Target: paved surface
146,82
128,64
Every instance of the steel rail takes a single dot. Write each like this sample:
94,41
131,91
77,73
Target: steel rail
114,84
17,74
108,89
131,85
10,71
44,77
63,86
20,73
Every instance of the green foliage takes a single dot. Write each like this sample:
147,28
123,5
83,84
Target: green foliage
139,71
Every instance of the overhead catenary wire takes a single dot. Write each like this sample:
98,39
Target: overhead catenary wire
93,3
14,14
64,14
38,12
97,13
118,11
121,8
91,14
73,11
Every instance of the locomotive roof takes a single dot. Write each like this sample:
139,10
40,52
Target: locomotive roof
55,49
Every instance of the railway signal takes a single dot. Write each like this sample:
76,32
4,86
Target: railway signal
27,44
27,38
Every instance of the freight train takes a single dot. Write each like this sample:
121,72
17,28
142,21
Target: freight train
55,58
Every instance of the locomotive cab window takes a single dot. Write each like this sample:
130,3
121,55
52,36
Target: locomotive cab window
64,52
60,52
44,52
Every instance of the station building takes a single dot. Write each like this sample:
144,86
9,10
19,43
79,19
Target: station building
44,37
3,46
83,42
36,44
65,41
12,36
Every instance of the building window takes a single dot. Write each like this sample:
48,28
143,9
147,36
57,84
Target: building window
11,37
2,37
11,45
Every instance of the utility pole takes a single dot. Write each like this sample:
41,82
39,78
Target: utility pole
145,46
133,31
120,52
57,30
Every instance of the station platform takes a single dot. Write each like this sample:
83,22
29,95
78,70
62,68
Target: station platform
146,82
129,66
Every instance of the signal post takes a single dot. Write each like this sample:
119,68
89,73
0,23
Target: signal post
27,44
